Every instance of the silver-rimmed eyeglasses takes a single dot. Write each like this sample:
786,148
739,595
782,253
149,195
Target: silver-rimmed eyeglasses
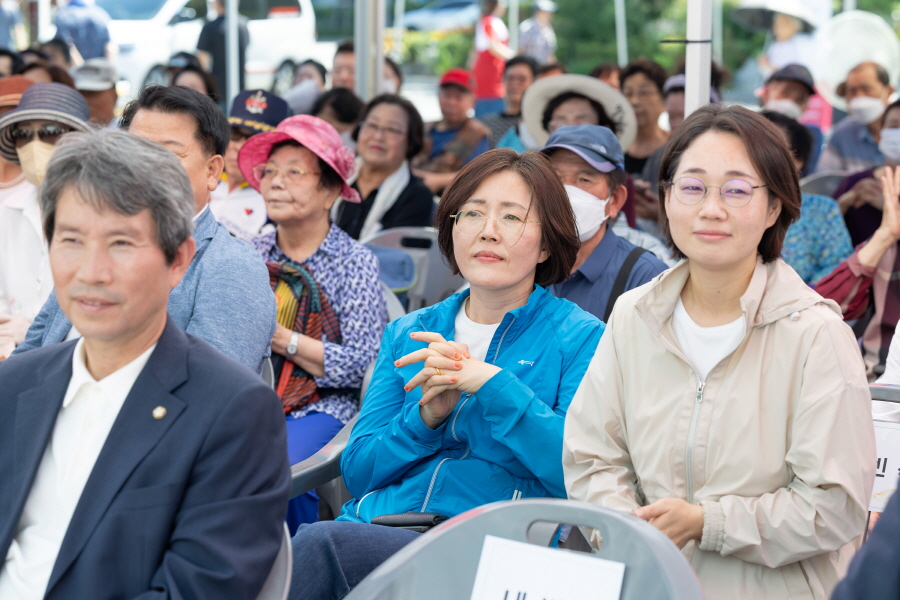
690,190
293,174
472,222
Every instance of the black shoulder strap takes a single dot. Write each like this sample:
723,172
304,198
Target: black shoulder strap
618,287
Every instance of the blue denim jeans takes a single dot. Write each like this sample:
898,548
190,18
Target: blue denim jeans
331,557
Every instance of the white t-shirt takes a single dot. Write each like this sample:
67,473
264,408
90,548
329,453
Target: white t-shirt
705,347
482,41
889,411
474,335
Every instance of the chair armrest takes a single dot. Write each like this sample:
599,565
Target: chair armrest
885,393
321,467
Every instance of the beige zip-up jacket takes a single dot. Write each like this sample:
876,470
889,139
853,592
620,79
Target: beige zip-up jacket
777,444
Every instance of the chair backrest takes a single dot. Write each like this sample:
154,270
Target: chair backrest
395,310
278,583
441,564
434,280
823,183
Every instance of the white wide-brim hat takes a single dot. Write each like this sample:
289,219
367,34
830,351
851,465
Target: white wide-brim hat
542,91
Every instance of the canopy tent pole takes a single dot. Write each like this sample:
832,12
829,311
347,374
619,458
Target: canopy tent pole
399,12
43,20
514,25
621,34
849,5
232,60
368,29
698,55
718,51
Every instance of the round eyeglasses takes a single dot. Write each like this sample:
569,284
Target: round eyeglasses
689,190
472,222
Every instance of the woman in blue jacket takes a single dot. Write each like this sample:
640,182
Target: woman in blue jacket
469,397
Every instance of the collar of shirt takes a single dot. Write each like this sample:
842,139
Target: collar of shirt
200,214
598,260
116,385
863,134
330,246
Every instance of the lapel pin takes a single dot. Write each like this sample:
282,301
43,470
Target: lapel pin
159,412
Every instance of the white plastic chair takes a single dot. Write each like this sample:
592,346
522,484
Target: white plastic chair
434,280
442,563
395,310
823,183
278,583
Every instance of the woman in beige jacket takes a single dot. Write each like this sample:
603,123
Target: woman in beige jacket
727,403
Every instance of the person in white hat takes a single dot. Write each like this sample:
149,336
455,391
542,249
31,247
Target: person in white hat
536,36
96,80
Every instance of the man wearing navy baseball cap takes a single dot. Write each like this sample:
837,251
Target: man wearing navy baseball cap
591,164
235,204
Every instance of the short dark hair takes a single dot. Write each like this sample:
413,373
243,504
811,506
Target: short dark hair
316,65
768,152
329,178
521,59
799,136
415,128
213,132
605,68
61,45
550,67
345,47
57,74
208,80
41,56
887,109
602,118
654,71
14,57
345,104
549,199
393,66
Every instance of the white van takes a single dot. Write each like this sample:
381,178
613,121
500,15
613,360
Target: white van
148,32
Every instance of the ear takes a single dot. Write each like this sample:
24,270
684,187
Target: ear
183,257
774,212
214,166
617,201
544,255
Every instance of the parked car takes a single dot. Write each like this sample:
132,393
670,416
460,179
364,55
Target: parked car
148,32
443,14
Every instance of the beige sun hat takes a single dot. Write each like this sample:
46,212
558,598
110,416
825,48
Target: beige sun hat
542,91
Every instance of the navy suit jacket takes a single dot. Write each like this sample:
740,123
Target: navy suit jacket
189,505
874,572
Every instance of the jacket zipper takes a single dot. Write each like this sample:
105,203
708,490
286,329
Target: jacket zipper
689,453
453,425
358,504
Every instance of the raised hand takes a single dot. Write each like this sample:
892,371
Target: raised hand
890,217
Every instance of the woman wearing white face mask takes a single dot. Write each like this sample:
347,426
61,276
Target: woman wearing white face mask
859,195
27,138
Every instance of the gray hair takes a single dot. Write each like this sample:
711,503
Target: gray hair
125,173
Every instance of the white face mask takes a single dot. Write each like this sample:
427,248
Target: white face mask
785,106
388,86
889,145
866,109
34,157
590,211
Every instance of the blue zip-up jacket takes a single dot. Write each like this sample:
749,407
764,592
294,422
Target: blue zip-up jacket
503,443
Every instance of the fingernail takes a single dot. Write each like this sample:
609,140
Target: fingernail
639,513
457,356
405,388
396,363
457,365
453,379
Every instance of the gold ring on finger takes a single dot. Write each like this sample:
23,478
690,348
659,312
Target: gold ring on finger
438,371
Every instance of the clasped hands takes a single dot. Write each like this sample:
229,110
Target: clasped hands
448,371
678,519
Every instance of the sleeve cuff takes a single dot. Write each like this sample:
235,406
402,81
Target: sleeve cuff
858,269
493,386
417,427
713,527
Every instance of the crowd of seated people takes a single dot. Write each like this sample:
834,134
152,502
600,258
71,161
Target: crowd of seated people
641,288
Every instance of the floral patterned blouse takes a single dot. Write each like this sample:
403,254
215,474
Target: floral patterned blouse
818,241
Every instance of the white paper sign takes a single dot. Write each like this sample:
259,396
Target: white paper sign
887,448
511,570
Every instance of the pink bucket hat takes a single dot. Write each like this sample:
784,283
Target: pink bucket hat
312,133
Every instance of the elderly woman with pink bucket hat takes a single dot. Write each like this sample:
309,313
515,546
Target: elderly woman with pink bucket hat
331,311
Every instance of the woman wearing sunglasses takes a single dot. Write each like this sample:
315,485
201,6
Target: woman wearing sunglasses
727,403
469,396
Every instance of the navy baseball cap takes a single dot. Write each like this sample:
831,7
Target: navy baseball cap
258,110
597,145
794,72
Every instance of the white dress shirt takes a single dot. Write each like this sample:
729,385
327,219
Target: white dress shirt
88,412
25,277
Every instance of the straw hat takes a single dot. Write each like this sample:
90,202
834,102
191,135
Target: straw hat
542,91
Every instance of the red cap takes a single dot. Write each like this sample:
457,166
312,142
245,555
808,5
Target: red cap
460,77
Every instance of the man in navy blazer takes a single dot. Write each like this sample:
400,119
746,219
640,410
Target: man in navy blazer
225,297
138,461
